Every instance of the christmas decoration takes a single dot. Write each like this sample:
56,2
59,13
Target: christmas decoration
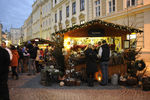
116,26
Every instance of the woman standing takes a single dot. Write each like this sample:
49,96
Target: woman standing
14,62
91,65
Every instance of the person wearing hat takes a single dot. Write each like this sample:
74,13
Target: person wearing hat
104,54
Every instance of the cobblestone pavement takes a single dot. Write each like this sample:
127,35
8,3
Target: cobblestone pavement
29,88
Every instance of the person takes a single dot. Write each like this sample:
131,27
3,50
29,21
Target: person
33,53
14,62
20,61
5,47
46,54
104,55
91,65
37,61
4,69
42,53
25,59
98,46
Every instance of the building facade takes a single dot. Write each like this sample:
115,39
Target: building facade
49,16
29,28
1,26
15,35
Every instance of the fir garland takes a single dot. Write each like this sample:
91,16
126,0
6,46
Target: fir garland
116,26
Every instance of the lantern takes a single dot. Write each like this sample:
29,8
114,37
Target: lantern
98,76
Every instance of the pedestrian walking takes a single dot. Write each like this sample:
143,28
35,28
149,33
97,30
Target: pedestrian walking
4,69
91,65
14,62
104,55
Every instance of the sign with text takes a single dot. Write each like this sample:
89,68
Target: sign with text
96,33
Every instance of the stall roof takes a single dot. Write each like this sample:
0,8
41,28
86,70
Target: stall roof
96,24
39,41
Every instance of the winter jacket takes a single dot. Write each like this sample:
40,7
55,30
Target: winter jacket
4,63
91,56
14,61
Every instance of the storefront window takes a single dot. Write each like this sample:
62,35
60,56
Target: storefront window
132,38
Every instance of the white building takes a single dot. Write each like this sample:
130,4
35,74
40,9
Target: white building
15,35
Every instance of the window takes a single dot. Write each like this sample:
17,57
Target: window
97,7
81,5
55,18
130,3
55,1
60,15
74,8
67,11
112,5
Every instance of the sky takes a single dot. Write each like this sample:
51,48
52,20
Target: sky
13,13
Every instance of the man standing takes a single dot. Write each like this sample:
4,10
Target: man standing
4,67
33,53
5,47
104,55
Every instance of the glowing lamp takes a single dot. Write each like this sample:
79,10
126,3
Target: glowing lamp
98,76
36,40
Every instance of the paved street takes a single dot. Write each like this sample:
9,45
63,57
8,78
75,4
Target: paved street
29,88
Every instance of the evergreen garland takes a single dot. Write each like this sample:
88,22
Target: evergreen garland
116,26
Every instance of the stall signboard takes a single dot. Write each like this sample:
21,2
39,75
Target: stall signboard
96,33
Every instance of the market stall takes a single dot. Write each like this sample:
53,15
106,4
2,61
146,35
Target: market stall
76,38
42,43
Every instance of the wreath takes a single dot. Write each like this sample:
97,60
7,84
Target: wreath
139,65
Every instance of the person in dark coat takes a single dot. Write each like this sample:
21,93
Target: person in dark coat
4,68
33,53
104,55
91,65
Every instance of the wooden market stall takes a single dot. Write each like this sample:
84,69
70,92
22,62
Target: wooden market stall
42,43
92,32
